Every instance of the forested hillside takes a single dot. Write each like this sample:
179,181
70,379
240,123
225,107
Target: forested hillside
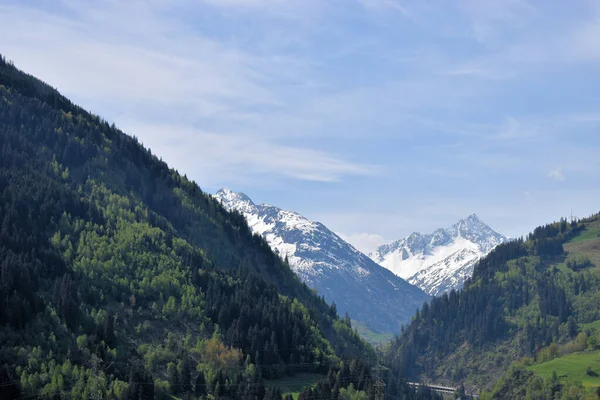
528,298
120,278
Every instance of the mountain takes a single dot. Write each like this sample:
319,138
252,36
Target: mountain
440,261
532,305
339,272
120,278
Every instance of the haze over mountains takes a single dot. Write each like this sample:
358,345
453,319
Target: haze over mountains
440,261
360,287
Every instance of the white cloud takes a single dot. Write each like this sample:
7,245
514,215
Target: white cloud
584,42
217,159
557,174
520,51
128,69
364,242
516,131
385,5
166,87
298,11
245,3
586,117
228,91
488,18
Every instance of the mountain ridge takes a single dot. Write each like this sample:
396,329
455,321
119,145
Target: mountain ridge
442,260
324,261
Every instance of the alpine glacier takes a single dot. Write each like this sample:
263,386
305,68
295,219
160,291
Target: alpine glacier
442,260
325,262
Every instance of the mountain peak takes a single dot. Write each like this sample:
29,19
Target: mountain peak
471,220
325,262
441,260
474,218
227,195
476,231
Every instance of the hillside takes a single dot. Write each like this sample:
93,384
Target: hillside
525,296
120,278
583,367
343,275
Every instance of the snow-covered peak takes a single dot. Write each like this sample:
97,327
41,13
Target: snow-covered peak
358,285
414,255
237,201
227,196
474,219
476,231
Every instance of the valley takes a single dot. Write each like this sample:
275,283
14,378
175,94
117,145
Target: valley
120,278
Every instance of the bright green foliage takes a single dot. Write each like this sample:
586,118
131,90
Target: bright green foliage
591,232
120,278
350,393
521,383
583,367
578,262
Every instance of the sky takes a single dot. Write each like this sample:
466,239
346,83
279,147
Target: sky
376,117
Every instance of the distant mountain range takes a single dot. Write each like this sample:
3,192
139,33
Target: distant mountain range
342,274
440,261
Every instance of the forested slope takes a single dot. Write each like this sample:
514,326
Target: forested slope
528,296
120,278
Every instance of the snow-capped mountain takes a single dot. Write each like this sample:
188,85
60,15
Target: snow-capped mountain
442,260
339,272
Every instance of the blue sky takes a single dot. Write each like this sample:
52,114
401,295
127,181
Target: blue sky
376,117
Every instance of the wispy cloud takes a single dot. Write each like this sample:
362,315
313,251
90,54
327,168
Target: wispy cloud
247,3
386,5
517,131
584,40
215,158
427,99
167,92
131,70
489,18
302,11
557,174
364,242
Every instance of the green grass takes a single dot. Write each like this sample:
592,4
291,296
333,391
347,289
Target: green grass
587,244
593,326
374,338
572,368
590,232
295,384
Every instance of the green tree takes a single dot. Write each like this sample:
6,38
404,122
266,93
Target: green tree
350,393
